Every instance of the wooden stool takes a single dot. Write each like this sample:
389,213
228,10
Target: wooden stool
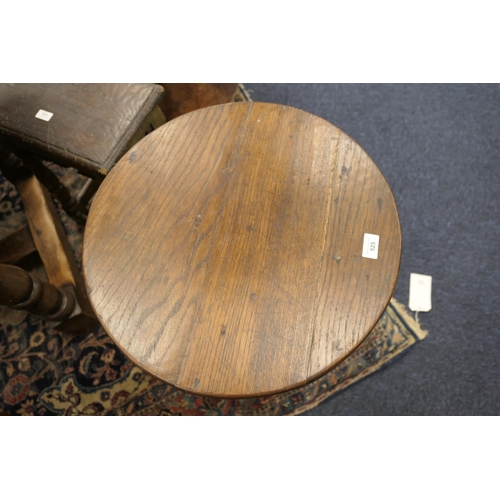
241,250
84,126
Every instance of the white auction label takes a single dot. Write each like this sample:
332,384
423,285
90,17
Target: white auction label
370,246
44,115
420,292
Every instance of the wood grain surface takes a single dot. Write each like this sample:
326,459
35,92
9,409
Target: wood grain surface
92,126
223,252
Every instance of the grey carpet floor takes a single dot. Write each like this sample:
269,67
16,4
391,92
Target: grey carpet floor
439,148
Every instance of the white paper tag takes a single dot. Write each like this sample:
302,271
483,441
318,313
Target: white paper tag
44,115
370,246
420,292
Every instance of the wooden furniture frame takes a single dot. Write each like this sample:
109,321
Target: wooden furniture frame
89,127
63,298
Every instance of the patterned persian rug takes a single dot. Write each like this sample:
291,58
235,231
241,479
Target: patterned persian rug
46,372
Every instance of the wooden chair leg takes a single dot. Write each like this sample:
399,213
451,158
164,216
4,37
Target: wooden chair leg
50,180
33,164
57,189
22,290
52,244
50,241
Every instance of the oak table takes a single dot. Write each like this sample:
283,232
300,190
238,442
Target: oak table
242,250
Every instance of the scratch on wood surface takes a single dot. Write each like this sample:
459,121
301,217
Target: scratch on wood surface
277,282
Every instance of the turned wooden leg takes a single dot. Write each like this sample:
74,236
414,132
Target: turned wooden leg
50,240
22,290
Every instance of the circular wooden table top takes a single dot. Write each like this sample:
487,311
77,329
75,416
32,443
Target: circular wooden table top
224,252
